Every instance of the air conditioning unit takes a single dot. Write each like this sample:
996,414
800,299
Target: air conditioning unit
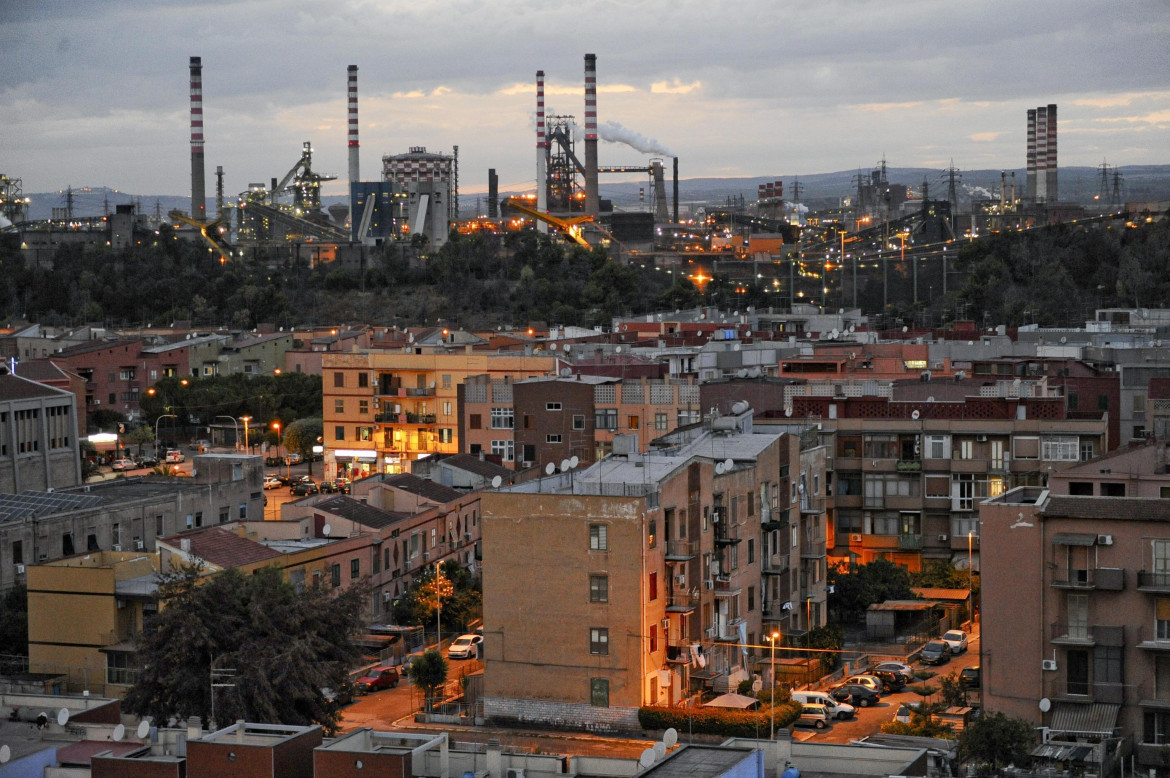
514,772
666,623
855,537
19,569
943,538
981,438
139,545
1104,540
708,584
1048,664
680,581
117,546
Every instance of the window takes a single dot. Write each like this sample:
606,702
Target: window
1107,665
365,433
339,432
686,417
363,379
506,449
1139,431
1077,663
653,642
660,421
1073,401
1088,450
224,515
751,549
158,526
938,446
848,520
652,586
446,381
965,449
503,418
475,421
605,419
1078,615
18,552
339,406
67,544
632,422
599,692
1162,618
552,438
880,447
198,518
578,421
597,537
1102,402
552,406
598,641
355,567
652,533
339,380
335,574
1112,490
599,588
445,435
1060,449
848,484
751,599
446,407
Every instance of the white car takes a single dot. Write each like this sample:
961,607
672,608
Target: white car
121,465
871,682
956,639
272,482
463,647
903,669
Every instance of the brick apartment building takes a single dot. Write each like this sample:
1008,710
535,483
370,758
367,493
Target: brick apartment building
648,572
1076,607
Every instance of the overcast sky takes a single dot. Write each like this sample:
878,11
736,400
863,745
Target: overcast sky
95,92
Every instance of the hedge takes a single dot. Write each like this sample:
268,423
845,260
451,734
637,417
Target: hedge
717,721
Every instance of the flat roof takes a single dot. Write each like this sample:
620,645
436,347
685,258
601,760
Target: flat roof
696,761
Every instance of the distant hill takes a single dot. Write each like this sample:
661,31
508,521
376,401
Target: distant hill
1077,184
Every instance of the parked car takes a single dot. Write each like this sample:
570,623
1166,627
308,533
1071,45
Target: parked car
271,482
463,647
859,696
147,460
304,488
838,710
293,459
381,677
123,464
970,677
935,652
868,681
956,639
903,669
906,711
813,715
174,456
342,696
332,487
893,682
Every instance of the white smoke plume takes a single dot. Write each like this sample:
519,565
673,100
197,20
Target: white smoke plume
615,133
978,190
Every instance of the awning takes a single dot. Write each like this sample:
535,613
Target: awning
1097,718
1074,539
732,700
1059,752
355,454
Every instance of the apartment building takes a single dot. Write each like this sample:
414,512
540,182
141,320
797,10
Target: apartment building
386,409
908,470
1076,608
644,575
38,437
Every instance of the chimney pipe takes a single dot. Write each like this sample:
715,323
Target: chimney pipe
493,203
676,190
541,153
354,175
198,193
592,202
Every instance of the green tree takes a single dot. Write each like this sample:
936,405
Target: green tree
139,436
302,435
857,587
429,673
996,740
284,646
954,691
14,622
462,599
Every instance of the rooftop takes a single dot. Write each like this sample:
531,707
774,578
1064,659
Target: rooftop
368,516
692,761
220,547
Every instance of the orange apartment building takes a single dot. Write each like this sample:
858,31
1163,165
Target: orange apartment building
648,576
384,409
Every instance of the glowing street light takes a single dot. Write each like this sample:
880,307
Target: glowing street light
772,723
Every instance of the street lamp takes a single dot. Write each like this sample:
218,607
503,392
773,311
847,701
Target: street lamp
246,419
971,572
235,425
772,712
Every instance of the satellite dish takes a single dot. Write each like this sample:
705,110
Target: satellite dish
915,414
565,465
325,530
757,685
143,728
647,758
566,348
496,482
550,469
574,461
670,737
618,350
719,468
788,412
5,754
1063,339
836,333
119,733
659,750
728,463
1045,704
905,328
410,338
63,716
566,372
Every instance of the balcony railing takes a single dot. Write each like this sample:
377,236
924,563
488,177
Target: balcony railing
1153,754
1110,579
813,549
910,542
909,465
1087,634
1088,692
1153,582
812,504
775,564
678,550
679,601
1150,696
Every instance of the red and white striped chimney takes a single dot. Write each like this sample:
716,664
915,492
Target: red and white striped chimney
541,153
592,204
198,188
354,176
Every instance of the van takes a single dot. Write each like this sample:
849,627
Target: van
838,710
174,457
813,715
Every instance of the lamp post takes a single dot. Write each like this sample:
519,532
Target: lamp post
280,444
157,432
971,572
246,419
235,426
772,711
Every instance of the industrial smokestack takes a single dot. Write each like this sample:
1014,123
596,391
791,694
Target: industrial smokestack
676,190
592,203
198,194
493,210
354,175
541,153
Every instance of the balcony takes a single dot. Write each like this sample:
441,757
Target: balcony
1153,582
1153,754
1150,639
399,391
1074,691
812,504
910,542
812,549
405,418
725,588
1150,696
726,540
680,550
775,564
1109,579
679,602
678,653
909,465
1071,634
775,611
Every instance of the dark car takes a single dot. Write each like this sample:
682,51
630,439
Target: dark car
147,460
333,487
894,682
935,652
970,677
382,677
342,696
304,488
855,694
